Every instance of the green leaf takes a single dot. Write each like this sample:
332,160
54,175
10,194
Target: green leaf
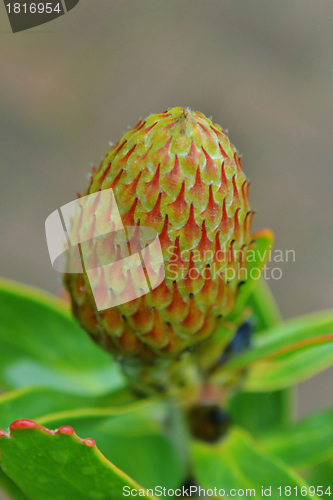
259,256
304,443
235,463
55,465
41,344
34,402
260,412
287,354
137,436
137,439
8,486
321,475
264,307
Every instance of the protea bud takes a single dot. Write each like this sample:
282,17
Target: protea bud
178,173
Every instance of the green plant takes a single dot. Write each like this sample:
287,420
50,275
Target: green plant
174,411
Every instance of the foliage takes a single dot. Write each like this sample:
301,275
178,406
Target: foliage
53,377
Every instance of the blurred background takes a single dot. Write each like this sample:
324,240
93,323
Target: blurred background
263,70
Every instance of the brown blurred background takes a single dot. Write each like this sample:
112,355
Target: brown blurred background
264,70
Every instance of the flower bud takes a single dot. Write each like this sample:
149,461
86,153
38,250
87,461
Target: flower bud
177,173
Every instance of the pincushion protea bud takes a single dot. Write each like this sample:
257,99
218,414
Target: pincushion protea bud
178,173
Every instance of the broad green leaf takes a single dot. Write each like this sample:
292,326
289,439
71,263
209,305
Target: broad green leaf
34,402
256,261
260,412
137,436
41,344
321,475
304,443
137,439
286,354
55,465
288,336
236,466
264,307
8,486
290,369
